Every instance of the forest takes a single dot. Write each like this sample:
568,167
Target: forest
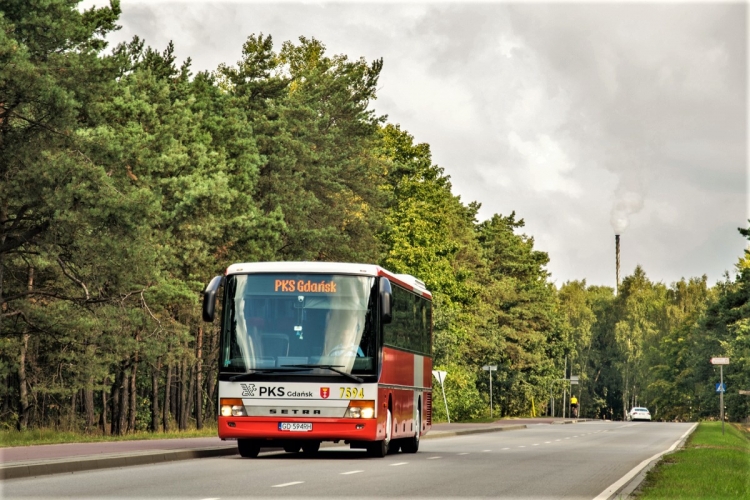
128,181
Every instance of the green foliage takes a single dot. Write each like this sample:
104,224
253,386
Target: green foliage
127,182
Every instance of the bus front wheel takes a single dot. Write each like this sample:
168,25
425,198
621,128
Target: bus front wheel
380,448
310,448
248,448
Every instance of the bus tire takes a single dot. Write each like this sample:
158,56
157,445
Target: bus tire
310,448
248,448
411,445
380,449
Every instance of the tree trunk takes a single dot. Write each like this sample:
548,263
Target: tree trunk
183,396
174,390
88,401
23,393
133,410
3,220
210,378
105,403
167,393
122,420
199,381
73,401
155,372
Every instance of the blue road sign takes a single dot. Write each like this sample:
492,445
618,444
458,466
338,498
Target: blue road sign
721,387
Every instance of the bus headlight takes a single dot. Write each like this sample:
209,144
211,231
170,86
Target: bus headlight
232,407
360,409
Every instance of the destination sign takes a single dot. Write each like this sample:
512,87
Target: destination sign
307,286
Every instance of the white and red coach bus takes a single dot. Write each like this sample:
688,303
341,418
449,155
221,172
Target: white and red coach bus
317,351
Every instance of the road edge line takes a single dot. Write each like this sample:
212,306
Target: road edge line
620,484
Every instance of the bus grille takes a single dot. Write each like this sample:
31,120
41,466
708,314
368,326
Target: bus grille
428,407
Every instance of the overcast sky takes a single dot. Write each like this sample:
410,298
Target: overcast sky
582,118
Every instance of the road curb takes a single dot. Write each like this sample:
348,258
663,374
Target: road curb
80,464
442,434
21,470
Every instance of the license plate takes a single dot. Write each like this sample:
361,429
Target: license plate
295,426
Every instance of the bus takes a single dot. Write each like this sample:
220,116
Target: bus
319,351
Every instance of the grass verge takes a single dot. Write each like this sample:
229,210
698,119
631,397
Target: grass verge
52,436
711,466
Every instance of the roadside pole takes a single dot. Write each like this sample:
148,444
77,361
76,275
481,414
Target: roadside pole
490,368
721,362
440,375
565,387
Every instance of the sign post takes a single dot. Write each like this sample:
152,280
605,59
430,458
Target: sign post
490,368
440,375
721,362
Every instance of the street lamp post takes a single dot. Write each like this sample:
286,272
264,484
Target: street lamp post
490,368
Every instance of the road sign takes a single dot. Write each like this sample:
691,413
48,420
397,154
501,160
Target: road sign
440,375
491,368
720,387
719,361
573,379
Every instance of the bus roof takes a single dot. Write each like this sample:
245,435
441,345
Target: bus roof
406,280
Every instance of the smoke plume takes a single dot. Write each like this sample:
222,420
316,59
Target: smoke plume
626,204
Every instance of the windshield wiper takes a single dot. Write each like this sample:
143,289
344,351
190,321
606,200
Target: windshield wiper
333,368
267,370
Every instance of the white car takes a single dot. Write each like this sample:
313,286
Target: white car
639,413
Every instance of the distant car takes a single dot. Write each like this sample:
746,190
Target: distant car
639,413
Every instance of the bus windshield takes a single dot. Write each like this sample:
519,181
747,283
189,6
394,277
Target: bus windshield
282,320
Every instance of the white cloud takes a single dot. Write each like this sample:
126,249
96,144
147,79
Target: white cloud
561,112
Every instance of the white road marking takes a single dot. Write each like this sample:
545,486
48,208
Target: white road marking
535,444
486,451
522,446
547,442
567,438
463,453
433,458
286,484
217,498
635,470
351,472
506,448
399,463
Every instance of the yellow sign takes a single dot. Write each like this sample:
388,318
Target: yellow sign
308,286
351,393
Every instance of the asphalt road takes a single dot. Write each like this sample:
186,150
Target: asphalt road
541,462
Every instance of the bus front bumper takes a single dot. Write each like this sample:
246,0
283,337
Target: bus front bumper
323,429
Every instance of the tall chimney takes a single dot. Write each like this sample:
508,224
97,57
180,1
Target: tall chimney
617,262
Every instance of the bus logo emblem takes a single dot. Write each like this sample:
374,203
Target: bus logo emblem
325,392
248,390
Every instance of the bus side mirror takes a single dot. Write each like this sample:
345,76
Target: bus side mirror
385,301
209,298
